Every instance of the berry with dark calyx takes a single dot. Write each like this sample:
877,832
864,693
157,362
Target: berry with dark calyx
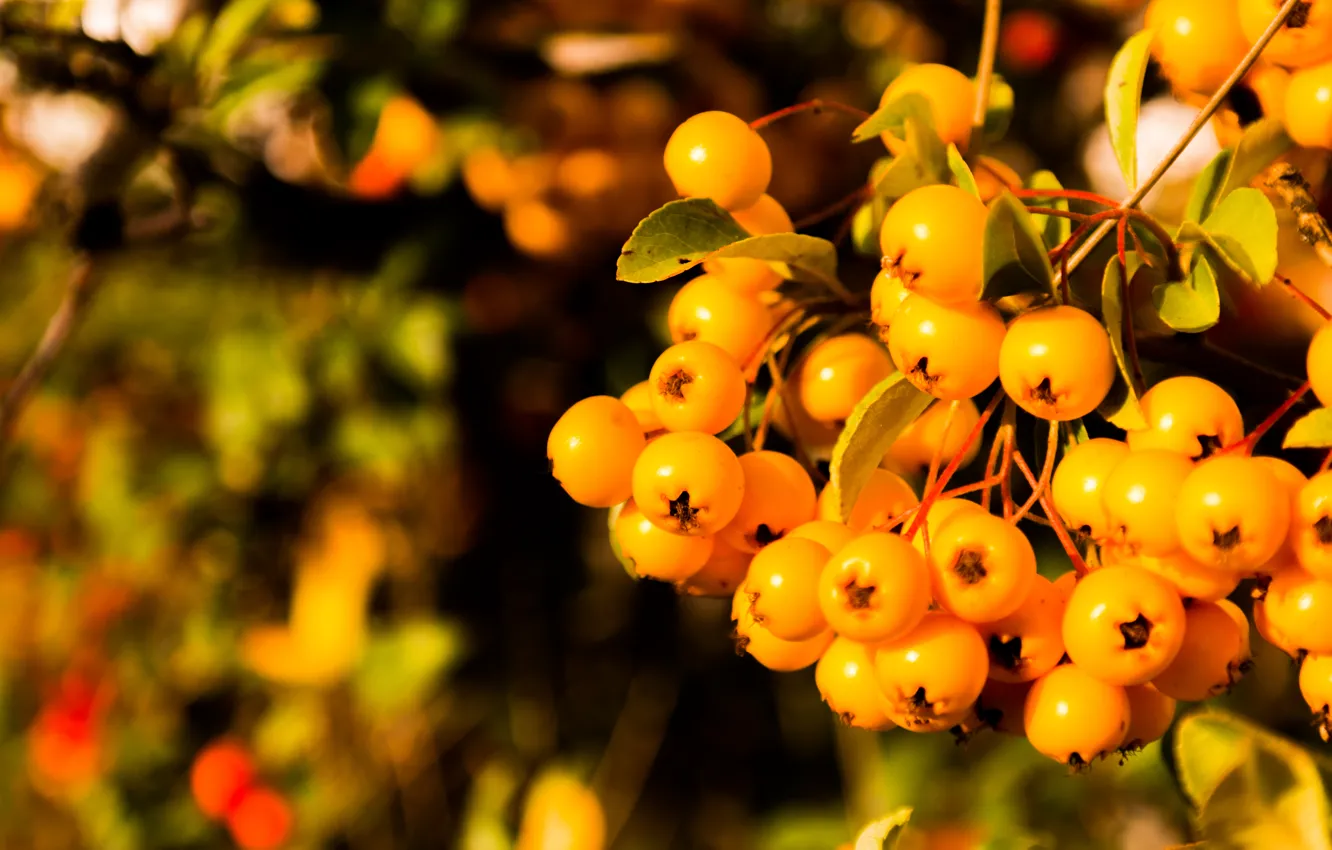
1316,688
884,497
1056,363
779,496
845,679
1188,415
1029,642
1298,611
1306,38
981,567
886,296
1232,514
931,241
782,586
937,670
1211,659
779,655
657,553
949,352
1074,717
697,386
1123,625
874,588
688,483
1311,526
1150,715
1078,481
1001,706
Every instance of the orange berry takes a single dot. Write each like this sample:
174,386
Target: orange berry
1232,514
1078,481
1150,715
1028,40
934,671
1272,634
782,586
1298,610
588,173
1188,415
837,374
1241,622
874,588
1197,42
793,422
592,450
885,496
765,217
886,296
1311,526
783,656
845,679
488,178
696,386
262,820
1319,359
656,553
931,240
1139,497
948,352
1190,579
779,496
722,575
1001,706
1123,625
1210,659
1306,38
638,399
561,813
994,177
949,93
1307,110
709,309
981,566
1056,363
1065,584
221,772
941,512
1072,716
832,535
1293,482
1029,642
537,229
716,155
915,447
688,483
1316,688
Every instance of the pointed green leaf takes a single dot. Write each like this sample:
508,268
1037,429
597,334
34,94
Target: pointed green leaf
1313,431
1207,187
1193,305
613,515
878,419
868,219
884,833
1123,98
675,238
1207,749
1112,316
965,179
1055,230
998,109
1015,258
1243,229
231,27
795,255
1262,143
892,117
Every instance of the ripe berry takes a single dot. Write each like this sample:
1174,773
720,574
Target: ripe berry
688,483
1030,641
1233,514
592,450
1123,625
709,309
830,534
1305,40
1078,481
1140,496
949,93
940,513
765,217
1293,482
845,679
981,566
221,772
1210,660
884,497
1188,415
874,588
793,422
1002,705
1056,363
1190,579
779,496
886,296
1150,715
1298,610
1312,526
1307,108
1065,584
657,553
934,671
1319,358
722,575
916,447
994,176
782,587
1197,42
931,240
948,352
262,820
837,374
1316,688
1028,40
1072,716
716,155
1273,635
638,399
696,386
783,656
560,811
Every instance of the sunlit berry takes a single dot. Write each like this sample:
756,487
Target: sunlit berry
1073,717
1189,415
1056,363
1030,641
696,386
845,679
656,553
1078,481
949,352
592,450
716,155
1123,625
688,483
782,586
874,588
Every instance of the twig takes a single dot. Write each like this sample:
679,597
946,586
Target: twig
1246,445
1286,180
1055,211
937,457
816,106
932,494
1047,469
1299,294
984,73
1067,195
860,195
1056,521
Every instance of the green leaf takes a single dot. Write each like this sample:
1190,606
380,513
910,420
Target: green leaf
878,419
998,109
1206,751
892,117
402,665
1262,143
1123,98
1056,230
1193,305
1313,431
674,238
884,833
868,220
231,27
796,256
1243,230
613,515
1112,316
958,165
1015,257
1207,187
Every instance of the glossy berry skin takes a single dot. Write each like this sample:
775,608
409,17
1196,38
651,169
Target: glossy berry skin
638,399
1065,583
981,566
1190,579
779,496
1002,705
1293,46
1188,415
748,276
1210,660
1139,497
837,374
688,483
949,352
1150,715
1298,611
1311,526
1272,634
792,421
592,450
1316,688
845,679
1197,42
657,553
1232,514
934,671
1319,358
1072,716
915,448
1028,643
886,296
931,241
262,820
942,512
1123,625
1307,106
1056,363
1078,482
779,655
709,309
716,155
722,575
221,773
875,588
1293,482
832,535
696,386
782,586
885,496
948,92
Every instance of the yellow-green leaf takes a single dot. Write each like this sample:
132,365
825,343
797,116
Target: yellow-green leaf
1263,141
1313,431
1123,98
878,419
1243,231
884,833
965,179
1015,259
998,109
1125,407
892,117
795,255
1193,305
1054,229
675,238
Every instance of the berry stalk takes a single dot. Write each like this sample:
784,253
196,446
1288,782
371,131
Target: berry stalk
984,73
932,494
1047,469
1246,445
1056,522
817,106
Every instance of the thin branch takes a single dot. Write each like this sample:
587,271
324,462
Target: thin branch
984,73
932,494
816,106
1047,469
937,458
860,195
1056,521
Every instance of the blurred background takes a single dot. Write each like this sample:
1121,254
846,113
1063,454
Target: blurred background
330,272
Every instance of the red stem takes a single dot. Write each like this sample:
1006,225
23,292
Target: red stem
1075,216
1056,521
1067,194
933,493
817,105
1300,294
863,193
1246,445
